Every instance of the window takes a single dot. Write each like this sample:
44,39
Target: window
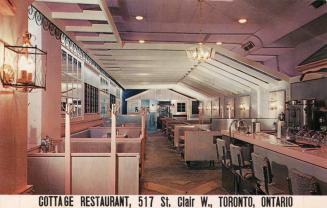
180,107
195,107
112,100
104,97
91,99
71,83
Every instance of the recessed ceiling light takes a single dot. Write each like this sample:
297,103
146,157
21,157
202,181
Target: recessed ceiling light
219,43
139,18
242,20
141,41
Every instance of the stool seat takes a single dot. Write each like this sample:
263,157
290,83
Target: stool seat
247,163
227,163
263,175
222,152
242,170
246,173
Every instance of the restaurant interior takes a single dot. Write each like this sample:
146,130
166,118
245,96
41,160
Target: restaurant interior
184,97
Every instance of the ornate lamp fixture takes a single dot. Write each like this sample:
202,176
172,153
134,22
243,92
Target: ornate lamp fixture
201,52
23,66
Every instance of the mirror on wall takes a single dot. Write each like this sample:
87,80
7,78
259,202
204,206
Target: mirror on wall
243,106
276,103
229,107
215,108
207,109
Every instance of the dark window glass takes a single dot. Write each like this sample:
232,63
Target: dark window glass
181,107
195,107
91,99
112,100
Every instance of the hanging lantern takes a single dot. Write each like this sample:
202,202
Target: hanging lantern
200,53
24,66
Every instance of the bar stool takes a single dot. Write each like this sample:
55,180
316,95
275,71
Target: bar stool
227,178
222,152
241,168
302,184
263,174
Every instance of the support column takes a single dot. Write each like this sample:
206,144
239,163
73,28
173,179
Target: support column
114,181
68,163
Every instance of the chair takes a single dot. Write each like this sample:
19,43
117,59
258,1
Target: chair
222,152
302,184
227,176
263,174
241,168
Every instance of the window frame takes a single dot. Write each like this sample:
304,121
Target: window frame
73,73
91,99
180,106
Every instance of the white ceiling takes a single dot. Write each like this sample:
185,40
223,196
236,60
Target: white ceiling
110,36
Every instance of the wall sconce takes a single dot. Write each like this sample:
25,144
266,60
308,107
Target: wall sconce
273,107
242,107
229,107
24,66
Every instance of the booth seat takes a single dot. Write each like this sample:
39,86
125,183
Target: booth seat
91,168
200,146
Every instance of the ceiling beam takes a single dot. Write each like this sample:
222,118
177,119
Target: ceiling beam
149,86
223,78
234,74
139,58
211,84
70,1
101,28
84,15
101,37
208,86
247,70
252,64
105,8
187,91
200,88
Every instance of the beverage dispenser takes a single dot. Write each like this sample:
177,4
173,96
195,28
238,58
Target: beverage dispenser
293,115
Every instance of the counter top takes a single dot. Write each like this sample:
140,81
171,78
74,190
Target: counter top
316,157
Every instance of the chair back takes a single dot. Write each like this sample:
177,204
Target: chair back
236,156
303,184
261,168
222,150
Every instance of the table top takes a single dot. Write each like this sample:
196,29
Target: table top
317,156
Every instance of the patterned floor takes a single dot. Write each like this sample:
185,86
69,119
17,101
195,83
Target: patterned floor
166,173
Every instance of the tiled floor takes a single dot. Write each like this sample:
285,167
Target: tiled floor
166,173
